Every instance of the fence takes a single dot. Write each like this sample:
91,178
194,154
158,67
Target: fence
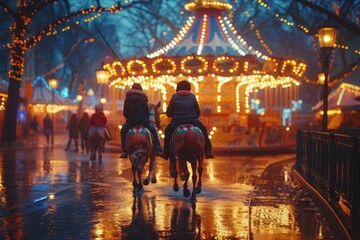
330,161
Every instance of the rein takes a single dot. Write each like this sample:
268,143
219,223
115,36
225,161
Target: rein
152,116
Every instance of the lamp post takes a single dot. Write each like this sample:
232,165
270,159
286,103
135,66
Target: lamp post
327,39
53,83
102,77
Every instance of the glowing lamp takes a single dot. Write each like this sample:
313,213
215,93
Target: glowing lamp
103,100
53,83
102,76
321,78
327,35
79,97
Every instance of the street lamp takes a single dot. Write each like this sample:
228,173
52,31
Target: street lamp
327,39
79,98
321,78
102,77
53,83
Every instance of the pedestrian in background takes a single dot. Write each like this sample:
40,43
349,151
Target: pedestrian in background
34,129
73,129
84,124
47,128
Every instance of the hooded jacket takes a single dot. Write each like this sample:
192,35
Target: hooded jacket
136,109
183,107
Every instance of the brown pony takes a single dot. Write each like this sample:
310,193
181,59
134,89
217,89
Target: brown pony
140,148
187,145
96,140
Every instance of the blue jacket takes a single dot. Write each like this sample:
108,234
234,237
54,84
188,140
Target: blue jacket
183,107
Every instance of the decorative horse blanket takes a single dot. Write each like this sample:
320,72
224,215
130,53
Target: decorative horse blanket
99,130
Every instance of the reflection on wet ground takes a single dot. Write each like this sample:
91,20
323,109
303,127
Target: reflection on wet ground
61,195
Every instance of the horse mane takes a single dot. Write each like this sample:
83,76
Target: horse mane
154,117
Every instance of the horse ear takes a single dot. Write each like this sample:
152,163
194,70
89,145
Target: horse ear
158,104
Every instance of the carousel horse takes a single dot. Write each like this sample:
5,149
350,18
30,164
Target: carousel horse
140,148
96,139
187,145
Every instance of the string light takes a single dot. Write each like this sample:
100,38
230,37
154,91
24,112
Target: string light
20,44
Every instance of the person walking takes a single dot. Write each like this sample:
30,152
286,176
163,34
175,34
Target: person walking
34,129
184,109
47,128
84,124
73,129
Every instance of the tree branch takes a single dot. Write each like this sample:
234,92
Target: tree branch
340,20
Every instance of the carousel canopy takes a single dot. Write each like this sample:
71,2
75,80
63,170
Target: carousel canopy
206,45
42,93
207,33
342,97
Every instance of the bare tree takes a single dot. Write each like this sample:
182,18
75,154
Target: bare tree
22,15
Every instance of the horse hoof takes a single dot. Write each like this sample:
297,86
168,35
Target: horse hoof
153,180
186,193
146,182
198,190
176,188
193,198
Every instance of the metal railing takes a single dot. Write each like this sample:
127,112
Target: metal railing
330,161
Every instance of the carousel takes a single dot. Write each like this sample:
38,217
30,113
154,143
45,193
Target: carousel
227,74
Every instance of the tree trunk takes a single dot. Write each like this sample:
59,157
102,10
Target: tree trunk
18,49
9,128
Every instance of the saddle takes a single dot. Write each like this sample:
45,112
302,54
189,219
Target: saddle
99,130
179,133
139,129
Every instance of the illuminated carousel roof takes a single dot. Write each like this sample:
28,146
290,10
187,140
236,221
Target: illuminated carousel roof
207,33
207,45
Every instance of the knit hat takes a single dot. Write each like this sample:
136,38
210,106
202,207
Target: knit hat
136,86
183,85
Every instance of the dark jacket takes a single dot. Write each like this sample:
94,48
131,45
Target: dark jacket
183,107
72,126
84,124
136,109
48,126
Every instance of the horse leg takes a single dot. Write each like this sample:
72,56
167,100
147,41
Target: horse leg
194,179
139,186
92,153
134,183
100,154
173,173
151,175
153,169
200,170
100,151
185,170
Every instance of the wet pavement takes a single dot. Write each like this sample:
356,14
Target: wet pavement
47,193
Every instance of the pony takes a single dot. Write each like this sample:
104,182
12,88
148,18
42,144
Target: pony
187,145
140,148
96,139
